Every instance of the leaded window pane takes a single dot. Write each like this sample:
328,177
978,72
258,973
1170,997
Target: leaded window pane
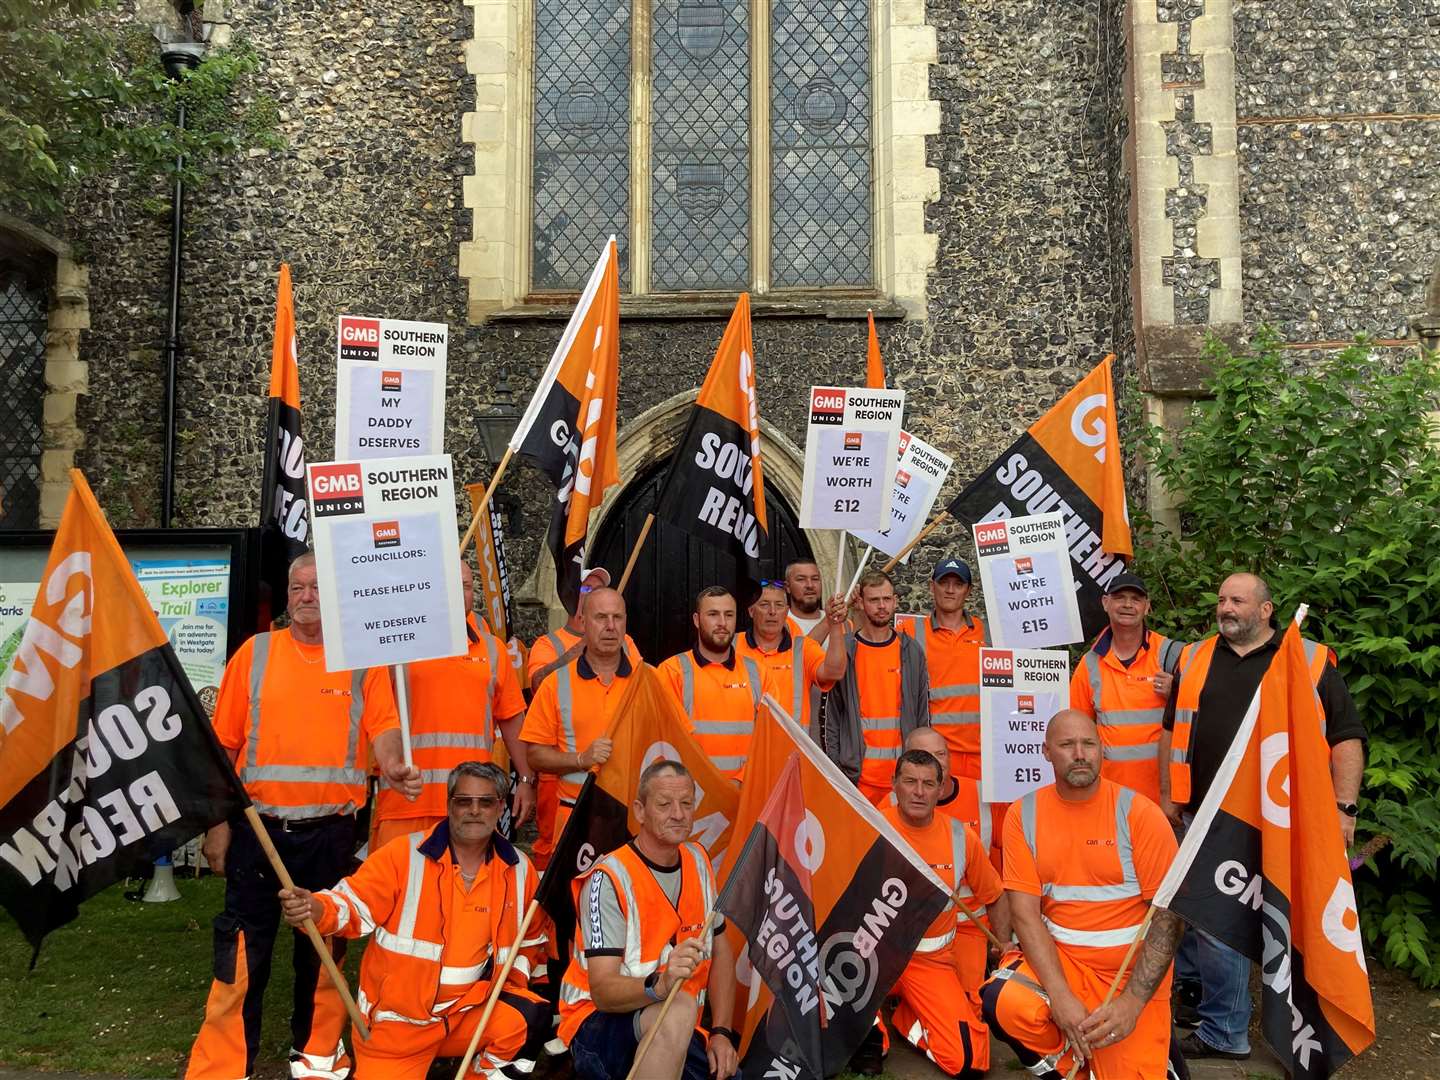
23,322
581,177
700,138
820,131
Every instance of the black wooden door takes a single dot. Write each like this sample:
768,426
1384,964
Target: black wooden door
674,566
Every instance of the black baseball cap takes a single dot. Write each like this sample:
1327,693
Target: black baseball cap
951,565
1127,581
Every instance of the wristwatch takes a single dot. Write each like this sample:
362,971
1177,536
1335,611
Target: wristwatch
526,780
1349,809
650,981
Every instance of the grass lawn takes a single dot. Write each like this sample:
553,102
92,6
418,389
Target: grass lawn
122,989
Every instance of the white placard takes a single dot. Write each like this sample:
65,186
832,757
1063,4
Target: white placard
388,561
919,476
1024,565
850,457
1020,690
389,388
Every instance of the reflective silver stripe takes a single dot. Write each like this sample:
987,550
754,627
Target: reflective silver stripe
452,975
1312,648
1027,820
1093,939
957,856
303,774
880,723
757,684
493,656
449,740
1006,974
922,635
883,753
1177,756
565,699
633,963
301,813
707,884
727,761
414,882
259,660
408,946
1092,672
1143,752
342,909
687,677
1130,717
1129,886
987,825
435,776
797,676
724,727
935,944
954,690
386,1014
357,713
347,897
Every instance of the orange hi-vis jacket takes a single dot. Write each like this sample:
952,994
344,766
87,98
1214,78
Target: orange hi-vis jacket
952,657
653,926
953,851
437,945
454,705
1125,707
877,677
1094,864
720,699
790,669
1194,668
558,642
299,730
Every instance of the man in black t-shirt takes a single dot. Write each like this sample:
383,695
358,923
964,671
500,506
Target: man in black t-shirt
1228,670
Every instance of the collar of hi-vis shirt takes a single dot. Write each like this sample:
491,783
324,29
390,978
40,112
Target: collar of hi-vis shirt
622,671
894,637
1105,644
437,844
728,663
969,623
785,641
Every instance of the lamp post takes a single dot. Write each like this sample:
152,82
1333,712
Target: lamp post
495,423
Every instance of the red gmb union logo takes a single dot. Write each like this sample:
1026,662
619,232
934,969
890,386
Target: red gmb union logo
827,405
1025,704
853,440
992,538
390,380
1024,565
904,442
386,534
902,478
997,667
336,489
359,338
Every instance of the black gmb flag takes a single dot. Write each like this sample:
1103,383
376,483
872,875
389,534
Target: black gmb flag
825,906
1067,463
284,509
715,489
107,758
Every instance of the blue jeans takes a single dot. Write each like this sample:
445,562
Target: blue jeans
605,1043
1224,978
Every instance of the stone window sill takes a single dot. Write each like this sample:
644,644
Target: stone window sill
559,307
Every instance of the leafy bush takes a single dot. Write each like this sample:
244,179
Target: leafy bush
1324,480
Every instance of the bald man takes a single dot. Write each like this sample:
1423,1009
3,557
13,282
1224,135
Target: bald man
1083,857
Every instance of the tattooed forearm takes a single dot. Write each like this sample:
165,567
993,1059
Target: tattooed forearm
1155,954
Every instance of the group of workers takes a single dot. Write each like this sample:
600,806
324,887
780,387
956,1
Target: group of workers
1056,886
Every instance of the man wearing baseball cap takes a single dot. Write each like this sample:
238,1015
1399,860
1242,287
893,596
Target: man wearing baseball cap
951,641
1123,683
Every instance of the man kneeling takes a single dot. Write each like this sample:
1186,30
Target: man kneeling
445,910
643,929
1083,857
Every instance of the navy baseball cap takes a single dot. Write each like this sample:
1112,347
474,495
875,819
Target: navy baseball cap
1126,581
951,565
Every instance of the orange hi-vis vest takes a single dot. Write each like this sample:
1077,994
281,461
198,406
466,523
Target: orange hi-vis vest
1126,709
436,945
877,677
594,724
653,926
785,667
1194,668
1102,913
547,648
300,730
446,697
952,659
942,844
720,702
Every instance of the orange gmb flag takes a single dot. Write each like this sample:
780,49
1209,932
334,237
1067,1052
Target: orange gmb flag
107,758
1263,868
874,365
1067,463
284,506
494,575
836,903
568,430
716,488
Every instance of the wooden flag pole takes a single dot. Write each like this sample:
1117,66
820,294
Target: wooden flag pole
955,899
311,931
649,1038
935,522
495,990
402,706
484,502
1119,974
635,553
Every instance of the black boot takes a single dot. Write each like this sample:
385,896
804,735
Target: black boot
869,1058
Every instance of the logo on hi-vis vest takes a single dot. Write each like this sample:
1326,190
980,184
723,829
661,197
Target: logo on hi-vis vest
902,478
390,380
359,338
386,533
1024,565
336,490
827,406
992,538
997,668
853,440
1025,704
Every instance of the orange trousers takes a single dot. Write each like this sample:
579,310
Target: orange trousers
547,802
1017,1007
400,1051
939,1017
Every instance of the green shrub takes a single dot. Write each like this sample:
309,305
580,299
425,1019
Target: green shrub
1324,480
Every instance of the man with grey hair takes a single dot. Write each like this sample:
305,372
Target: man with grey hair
645,929
446,910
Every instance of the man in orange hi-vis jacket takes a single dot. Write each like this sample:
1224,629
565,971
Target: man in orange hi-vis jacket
445,908
937,1014
1083,857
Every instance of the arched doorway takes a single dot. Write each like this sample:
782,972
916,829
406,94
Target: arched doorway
674,566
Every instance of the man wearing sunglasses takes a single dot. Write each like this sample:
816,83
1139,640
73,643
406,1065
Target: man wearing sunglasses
445,910
800,668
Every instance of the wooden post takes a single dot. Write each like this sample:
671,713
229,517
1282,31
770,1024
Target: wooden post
402,706
935,522
268,846
484,503
495,990
1115,982
635,553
